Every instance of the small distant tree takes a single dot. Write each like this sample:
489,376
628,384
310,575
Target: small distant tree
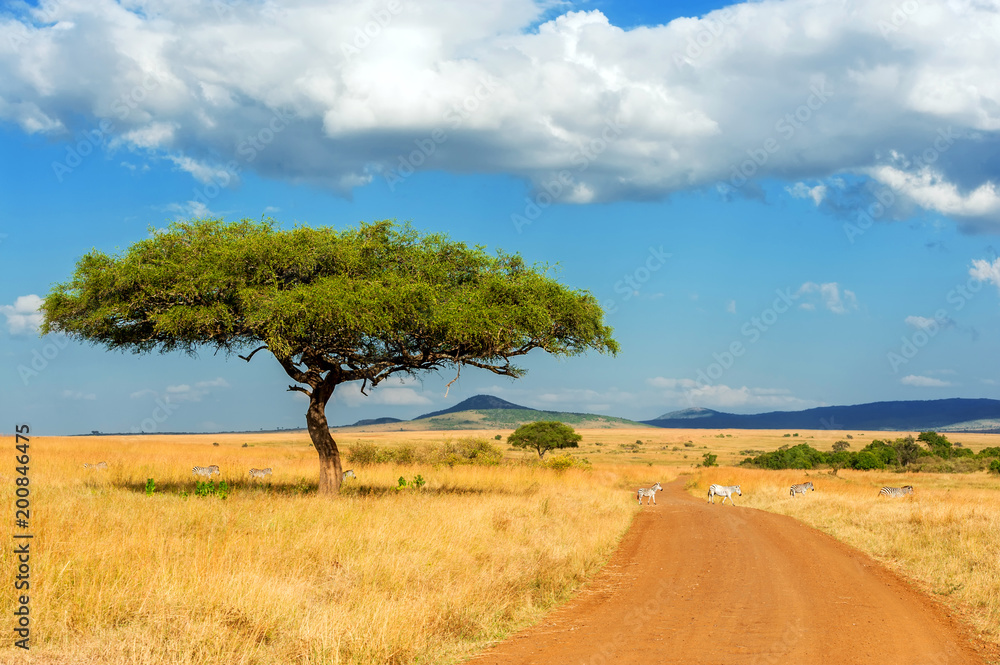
938,444
840,446
710,460
995,466
907,449
544,436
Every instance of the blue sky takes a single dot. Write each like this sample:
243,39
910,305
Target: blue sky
781,204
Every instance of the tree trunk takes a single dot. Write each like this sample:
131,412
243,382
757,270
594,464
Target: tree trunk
330,470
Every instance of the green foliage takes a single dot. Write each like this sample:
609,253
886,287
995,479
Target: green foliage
689,444
544,436
205,488
417,482
993,451
995,466
786,434
150,487
709,460
497,437
937,444
866,461
319,293
840,446
802,456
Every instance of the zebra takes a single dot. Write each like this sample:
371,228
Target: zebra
206,470
260,473
726,492
649,493
801,489
99,465
895,492
347,474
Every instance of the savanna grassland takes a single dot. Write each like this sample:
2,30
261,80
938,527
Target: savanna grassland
425,574
275,574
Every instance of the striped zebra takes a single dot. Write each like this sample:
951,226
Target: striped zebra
801,489
347,474
649,493
260,473
726,492
99,465
895,492
205,470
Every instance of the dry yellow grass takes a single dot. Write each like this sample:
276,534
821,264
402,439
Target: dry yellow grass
945,536
276,574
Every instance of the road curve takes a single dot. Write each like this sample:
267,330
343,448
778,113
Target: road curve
702,584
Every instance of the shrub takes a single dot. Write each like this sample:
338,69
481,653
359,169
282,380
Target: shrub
562,462
470,450
689,445
867,461
150,487
363,454
710,460
995,466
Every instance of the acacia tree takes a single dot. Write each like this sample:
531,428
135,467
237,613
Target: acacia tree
360,304
543,436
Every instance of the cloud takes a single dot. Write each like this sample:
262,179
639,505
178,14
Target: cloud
830,297
800,190
692,393
393,393
986,271
24,316
923,382
184,392
323,93
924,323
78,395
731,307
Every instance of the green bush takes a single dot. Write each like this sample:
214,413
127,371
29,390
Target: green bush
866,461
710,460
995,466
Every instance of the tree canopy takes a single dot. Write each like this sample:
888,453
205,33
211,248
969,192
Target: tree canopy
543,436
358,304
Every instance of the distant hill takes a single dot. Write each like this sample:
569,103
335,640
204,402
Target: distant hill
475,404
942,415
375,421
488,412
688,414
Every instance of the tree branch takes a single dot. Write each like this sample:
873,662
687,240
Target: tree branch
247,358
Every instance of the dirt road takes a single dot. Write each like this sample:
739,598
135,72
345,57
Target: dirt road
703,584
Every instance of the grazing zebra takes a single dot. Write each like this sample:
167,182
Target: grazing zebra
726,492
347,474
260,473
801,489
649,492
895,492
99,465
205,470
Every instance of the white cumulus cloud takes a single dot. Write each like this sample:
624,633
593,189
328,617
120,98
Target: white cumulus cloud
24,316
829,295
341,94
923,382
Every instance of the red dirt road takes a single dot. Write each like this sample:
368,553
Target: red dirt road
702,584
